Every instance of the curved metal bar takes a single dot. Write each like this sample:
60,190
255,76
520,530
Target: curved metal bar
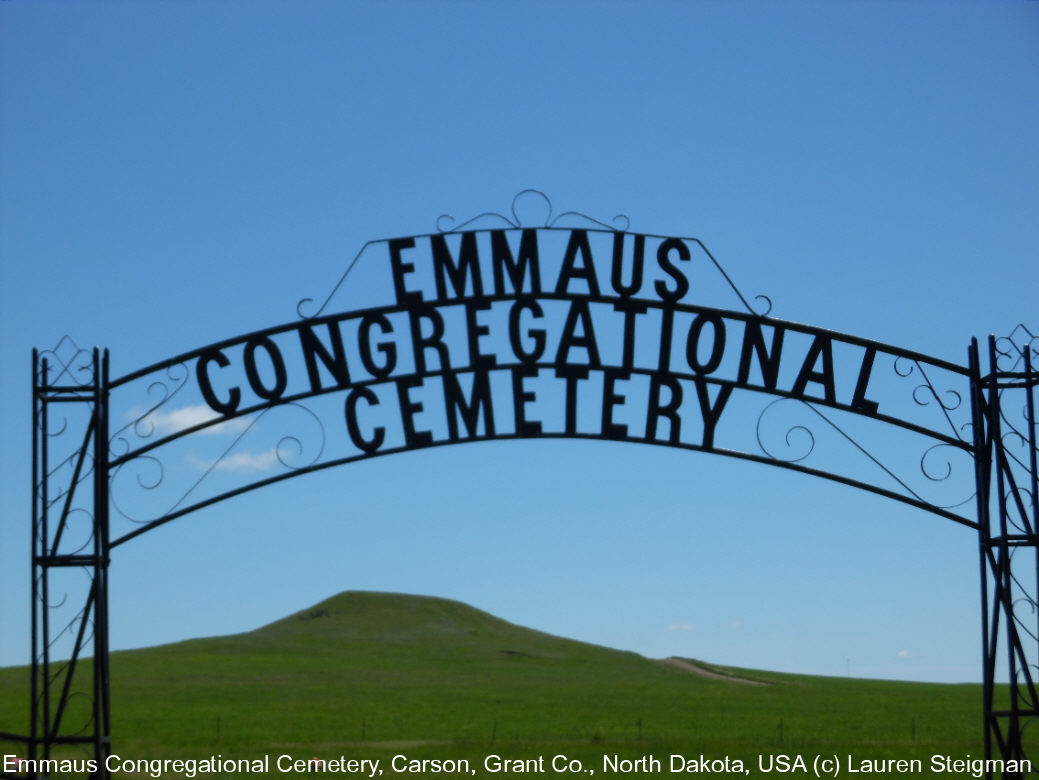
293,399
594,221
912,358
502,437
915,360
538,193
452,228
796,327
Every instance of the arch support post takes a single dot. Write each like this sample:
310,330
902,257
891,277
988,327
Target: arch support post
1004,404
69,700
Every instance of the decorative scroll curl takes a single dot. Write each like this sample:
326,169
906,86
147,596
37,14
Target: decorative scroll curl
160,391
765,306
940,468
798,440
790,441
68,363
1012,350
1018,354
950,400
147,474
537,212
926,393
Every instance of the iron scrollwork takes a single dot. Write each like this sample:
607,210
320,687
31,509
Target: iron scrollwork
251,447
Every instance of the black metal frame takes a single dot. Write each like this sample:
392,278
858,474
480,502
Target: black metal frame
1003,408
913,359
79,387
1004,403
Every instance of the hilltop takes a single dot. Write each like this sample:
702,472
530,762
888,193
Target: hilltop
363,672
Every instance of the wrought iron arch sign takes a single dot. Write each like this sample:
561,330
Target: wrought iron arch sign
496,330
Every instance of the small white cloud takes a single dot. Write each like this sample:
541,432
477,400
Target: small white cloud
239,461
174,420
735,624
680,627
904,654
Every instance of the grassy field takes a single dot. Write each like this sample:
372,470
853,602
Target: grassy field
373,675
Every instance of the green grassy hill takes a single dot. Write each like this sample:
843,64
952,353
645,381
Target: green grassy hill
373,674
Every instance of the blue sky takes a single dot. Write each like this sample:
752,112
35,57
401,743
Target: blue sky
173,174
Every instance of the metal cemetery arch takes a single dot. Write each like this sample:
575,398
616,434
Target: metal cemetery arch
509,332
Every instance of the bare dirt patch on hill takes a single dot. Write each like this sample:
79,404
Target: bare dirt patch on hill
702,671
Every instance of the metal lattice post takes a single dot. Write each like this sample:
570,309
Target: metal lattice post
102,682
70,416
1005,436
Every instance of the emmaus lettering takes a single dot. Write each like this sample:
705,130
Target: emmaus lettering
461,273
